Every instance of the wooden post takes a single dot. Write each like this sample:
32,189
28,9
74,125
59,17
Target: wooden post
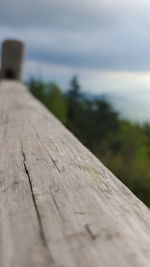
12,59
59,205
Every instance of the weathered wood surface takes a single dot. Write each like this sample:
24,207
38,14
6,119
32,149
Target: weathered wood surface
59,206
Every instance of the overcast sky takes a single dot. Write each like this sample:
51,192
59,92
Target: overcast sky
106,42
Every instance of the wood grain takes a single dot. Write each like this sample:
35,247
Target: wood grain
59,205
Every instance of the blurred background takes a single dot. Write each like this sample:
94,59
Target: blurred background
88,61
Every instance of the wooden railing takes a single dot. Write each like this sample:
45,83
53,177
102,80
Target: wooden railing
59,205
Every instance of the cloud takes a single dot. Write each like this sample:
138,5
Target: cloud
120,49
70,14
54,13
101,36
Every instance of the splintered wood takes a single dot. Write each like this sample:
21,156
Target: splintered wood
59,205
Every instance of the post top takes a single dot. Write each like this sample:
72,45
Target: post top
12,59
11,41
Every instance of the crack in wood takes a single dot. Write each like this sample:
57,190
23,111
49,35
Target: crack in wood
91,235
43,238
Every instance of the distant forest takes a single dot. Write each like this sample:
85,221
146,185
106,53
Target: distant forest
124,147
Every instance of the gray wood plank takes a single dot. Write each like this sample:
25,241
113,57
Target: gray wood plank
59,205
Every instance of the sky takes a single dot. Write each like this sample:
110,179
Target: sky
105,42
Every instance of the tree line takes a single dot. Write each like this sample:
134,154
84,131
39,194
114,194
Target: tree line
123,146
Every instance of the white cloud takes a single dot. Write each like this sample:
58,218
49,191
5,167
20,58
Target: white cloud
106,34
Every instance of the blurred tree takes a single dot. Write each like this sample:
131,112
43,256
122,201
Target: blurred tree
74,93
73,97
37,88
96,120
50,95
56,102
126,153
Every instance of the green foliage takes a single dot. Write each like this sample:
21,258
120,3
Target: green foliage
56,102
127,154
51,96
123,147
37,88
